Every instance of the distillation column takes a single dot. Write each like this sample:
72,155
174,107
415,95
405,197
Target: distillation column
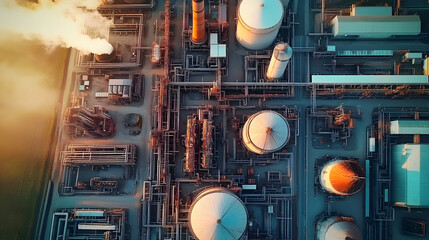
198,22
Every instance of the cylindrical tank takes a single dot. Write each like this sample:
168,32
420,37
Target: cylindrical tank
105,58
217,214
265,132
338,228
258,23
156,53
279,60
198,22
342,177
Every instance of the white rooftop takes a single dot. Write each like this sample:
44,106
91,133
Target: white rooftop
218,215
261,14
269,131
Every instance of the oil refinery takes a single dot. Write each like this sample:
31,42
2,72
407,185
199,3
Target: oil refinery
245,119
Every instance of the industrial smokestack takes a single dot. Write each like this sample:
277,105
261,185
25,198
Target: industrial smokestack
106,57
279,60
64,23
198,23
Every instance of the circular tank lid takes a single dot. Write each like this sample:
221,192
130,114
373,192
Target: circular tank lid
282,51
343,231
261,14
218,215
268,130
345,176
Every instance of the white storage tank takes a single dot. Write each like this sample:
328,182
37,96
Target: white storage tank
265,132
342,177
338,228
217,214
279,60
156,53
258,23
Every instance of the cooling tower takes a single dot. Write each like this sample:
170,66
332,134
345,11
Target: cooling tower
217,214
342,177
265,132
105,58
258,23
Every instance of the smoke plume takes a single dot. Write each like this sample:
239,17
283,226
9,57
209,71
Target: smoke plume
66,23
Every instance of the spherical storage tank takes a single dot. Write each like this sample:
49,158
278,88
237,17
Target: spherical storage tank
265,132
338,228
217,214
258,23
342,177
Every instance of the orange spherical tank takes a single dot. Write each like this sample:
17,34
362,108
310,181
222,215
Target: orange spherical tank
342,177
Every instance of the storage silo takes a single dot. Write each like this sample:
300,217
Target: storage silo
338,228
265,132
218,214
279,60
342,177
258,23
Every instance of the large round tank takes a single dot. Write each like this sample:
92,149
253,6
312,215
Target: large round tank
279,60
258,23
338,228
217,214
265,132
342,177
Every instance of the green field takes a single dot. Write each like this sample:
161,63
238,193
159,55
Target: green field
30,79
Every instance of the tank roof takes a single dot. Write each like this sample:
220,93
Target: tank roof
343,230
218,214
261,14
344,177
268,130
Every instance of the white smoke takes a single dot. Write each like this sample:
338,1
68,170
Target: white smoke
66,23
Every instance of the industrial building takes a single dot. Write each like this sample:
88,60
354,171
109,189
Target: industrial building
268,119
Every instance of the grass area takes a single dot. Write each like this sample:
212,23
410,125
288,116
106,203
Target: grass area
30,77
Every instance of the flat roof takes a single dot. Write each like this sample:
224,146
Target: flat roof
409,127
370,79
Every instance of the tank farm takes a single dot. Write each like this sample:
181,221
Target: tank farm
246,119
